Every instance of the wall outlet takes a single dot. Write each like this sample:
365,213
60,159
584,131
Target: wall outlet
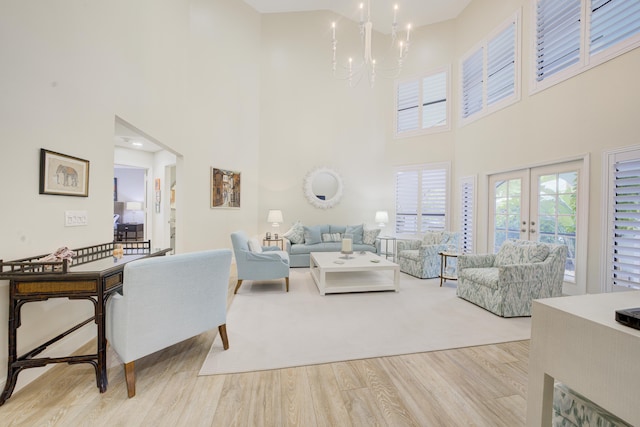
75,218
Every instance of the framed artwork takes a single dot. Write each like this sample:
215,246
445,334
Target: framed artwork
63,175
225,188
157,186
115,189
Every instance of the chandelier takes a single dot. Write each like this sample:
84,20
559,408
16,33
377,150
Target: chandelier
368,67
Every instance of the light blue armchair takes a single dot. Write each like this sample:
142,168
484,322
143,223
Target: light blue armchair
420,258
166,300
506,283
261,263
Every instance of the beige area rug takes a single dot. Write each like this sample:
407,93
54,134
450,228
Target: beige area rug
271,329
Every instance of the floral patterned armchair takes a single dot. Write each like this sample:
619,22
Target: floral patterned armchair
420,258
506,283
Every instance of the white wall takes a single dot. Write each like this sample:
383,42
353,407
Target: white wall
183,71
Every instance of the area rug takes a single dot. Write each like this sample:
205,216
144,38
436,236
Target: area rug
271,329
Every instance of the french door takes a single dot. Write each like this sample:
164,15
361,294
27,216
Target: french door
542,204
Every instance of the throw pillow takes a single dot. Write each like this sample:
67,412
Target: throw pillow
295,233
356,231
369,236
312,235
331,237
254,245
432,238
514,252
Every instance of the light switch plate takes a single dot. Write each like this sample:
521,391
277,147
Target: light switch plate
75,218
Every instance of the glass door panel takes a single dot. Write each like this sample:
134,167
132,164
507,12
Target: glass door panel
507,207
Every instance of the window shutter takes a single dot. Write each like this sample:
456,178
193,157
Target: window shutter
408,103
626,225
434,199
558,31
467,194
501,52
407,202
472,83
612,21
434,100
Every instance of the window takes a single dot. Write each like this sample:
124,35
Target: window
467,216
622,247
572,36
422,198
490,73
421,104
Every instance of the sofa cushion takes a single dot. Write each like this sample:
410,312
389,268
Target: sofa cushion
295,233
254,245
312,235
356,231
520,252
432,238
337,229
483,276
331,237
369,235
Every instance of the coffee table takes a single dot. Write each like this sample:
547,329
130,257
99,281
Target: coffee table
333,273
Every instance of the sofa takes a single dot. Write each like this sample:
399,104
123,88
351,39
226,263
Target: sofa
507,282
301,240
420,257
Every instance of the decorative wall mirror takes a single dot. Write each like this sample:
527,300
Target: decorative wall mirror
323,188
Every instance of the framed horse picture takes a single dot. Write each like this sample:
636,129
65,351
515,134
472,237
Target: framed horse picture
63,175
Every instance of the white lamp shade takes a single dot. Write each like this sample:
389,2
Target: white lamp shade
382,218
133,206
275,217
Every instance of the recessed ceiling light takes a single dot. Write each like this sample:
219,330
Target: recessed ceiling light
136,144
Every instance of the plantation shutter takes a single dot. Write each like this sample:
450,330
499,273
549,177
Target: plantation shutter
472,83
434,100
626,225
408,106
407,202
434,199
501,71
612,21
466,215
558,30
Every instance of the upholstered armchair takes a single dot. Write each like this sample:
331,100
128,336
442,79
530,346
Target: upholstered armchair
420,258
166,300
256,262
506,283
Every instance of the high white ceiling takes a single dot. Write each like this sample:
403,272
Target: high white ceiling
414,12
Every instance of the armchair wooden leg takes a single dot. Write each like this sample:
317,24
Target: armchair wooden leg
222,329
238,286
286,279
130,376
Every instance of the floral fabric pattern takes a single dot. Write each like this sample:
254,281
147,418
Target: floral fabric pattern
423,261
517,285
573,409
295,233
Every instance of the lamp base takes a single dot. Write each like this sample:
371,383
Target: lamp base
346,254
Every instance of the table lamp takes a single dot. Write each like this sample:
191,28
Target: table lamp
275,218
382,218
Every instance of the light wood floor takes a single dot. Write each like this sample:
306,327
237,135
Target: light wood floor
474,386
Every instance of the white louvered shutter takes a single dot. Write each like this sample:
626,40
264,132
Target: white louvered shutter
626,225
407,202
467,194
408,117
434,199
612,21
472,85
501,72
434,100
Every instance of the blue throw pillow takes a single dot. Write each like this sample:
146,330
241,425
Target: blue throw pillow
312,235
356,231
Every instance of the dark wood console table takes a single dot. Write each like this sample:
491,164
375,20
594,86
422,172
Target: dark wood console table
93,274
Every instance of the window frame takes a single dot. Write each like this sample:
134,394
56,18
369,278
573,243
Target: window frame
446,69
514,19
586,60
447,203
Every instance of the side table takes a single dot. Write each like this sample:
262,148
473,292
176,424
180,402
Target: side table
444,275
388,251
276,242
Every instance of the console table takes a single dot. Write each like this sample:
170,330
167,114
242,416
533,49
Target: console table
93,274
130,231
577,341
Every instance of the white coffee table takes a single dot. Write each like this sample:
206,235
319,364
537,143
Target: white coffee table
359,273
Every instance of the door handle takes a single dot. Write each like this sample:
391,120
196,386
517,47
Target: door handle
532,231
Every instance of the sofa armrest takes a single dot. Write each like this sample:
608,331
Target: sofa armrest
270,248
405,244
272,256
431,250
475,261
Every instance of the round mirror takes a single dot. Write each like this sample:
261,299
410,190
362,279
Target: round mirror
323,188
